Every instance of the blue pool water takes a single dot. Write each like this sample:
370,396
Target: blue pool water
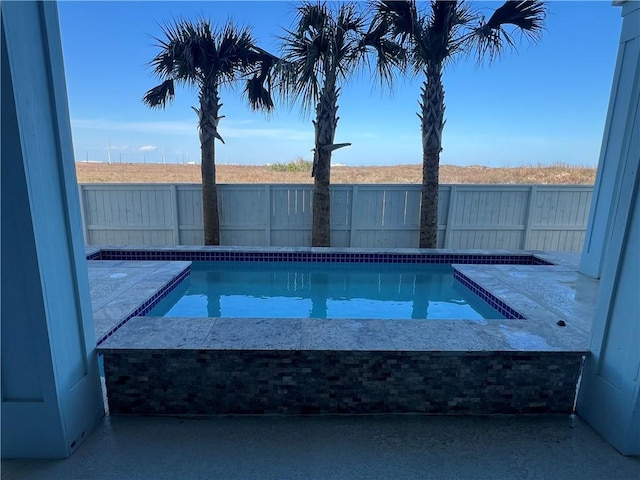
322,290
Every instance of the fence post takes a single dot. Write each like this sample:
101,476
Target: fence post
173,191
526,238
85,230
352,219
453,200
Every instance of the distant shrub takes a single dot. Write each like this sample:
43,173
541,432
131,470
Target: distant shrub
298,165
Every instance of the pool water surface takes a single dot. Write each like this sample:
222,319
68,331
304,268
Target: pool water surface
322,290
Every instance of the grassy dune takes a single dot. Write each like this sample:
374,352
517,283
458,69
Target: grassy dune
300,173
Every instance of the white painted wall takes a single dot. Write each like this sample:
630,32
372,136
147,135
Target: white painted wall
533,217
51,394
609,395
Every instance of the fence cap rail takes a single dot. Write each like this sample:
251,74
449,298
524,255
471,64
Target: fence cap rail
480,186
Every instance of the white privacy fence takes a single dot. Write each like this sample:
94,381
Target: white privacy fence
535,217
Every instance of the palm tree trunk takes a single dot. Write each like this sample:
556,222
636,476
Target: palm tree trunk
208,114
325,128
432,124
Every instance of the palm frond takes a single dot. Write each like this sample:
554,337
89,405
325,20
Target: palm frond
527,15
325,46
491,38
349,19
307,50
390,55
312,17
160,95
197,53
346,36
441,36
401,18
259,97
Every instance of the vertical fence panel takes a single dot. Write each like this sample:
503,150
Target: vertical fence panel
267,215
444,199
453,198
477,210
559,218
291,215
354,216
341,201
386,216
243,213
190,214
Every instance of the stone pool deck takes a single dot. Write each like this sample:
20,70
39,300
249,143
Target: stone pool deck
121,289
360,366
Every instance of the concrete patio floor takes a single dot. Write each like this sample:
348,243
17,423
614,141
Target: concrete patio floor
337,447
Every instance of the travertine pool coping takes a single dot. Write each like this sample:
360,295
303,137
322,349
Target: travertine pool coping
122,289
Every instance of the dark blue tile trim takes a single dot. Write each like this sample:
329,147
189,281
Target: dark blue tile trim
167,255
149,303
539,261
495,302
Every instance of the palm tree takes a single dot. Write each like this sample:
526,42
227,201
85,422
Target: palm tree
320,54
194,54
434,39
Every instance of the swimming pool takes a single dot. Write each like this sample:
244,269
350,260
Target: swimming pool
524,363
322,290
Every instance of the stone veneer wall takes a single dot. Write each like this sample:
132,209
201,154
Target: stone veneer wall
207,382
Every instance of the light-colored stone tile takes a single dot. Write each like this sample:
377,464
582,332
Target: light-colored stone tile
119,287
437,335
254,334
161,333
345,334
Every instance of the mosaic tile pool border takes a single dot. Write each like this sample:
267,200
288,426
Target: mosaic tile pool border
149,303
355,257
501,307
95,256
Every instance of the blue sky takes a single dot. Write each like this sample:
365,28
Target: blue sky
544,104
